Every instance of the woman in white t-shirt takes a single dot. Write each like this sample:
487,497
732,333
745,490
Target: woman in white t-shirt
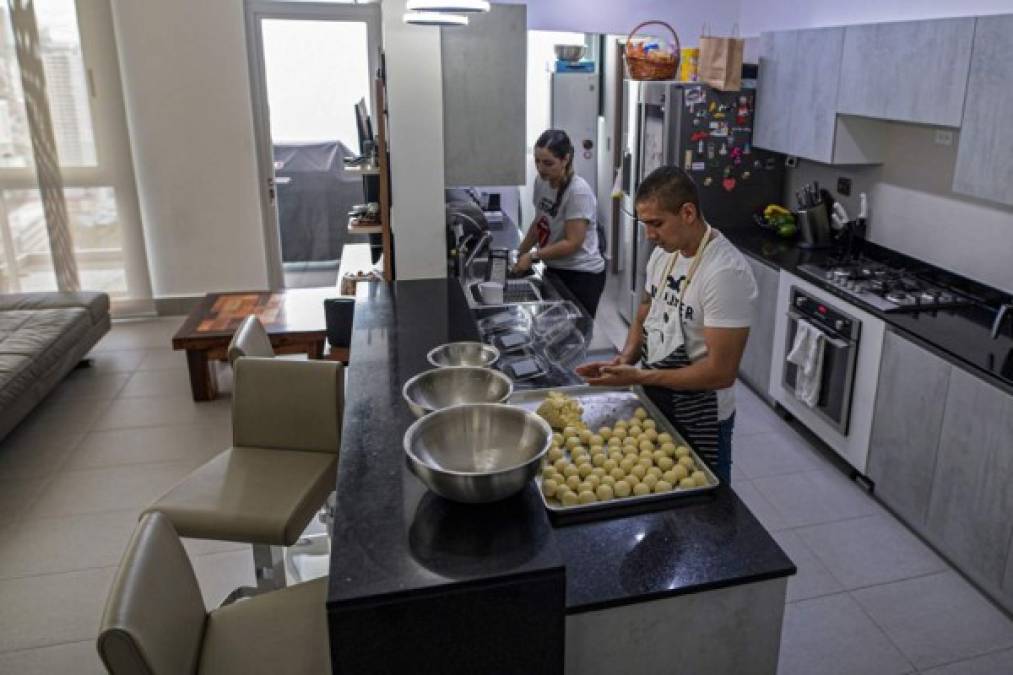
693,321
564,233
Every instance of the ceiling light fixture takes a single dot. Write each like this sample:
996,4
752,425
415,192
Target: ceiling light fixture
459,6
434,19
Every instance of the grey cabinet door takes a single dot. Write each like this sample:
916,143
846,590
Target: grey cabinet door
775,93
970,509
814,104
913,71
985,151
755,365
910,401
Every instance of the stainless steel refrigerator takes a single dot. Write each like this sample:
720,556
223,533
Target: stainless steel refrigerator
710,134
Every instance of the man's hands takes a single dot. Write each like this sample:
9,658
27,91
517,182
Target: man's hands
614,373
523,264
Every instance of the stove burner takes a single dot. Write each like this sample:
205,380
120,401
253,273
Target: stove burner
900,297
877,286
929,296
841,274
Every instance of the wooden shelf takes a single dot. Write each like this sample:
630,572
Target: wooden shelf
369,170
363,229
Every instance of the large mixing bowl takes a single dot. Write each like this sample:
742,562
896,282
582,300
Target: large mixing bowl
571,53
477,453
443,387
463,354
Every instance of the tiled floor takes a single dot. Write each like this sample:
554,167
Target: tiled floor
869,597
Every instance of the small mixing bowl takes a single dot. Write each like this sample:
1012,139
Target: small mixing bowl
443,387
477,453
463,354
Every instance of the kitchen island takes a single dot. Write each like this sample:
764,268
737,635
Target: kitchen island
420,584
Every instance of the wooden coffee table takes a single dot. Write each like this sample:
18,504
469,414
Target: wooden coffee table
294,320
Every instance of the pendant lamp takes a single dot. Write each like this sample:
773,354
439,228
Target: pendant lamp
434,19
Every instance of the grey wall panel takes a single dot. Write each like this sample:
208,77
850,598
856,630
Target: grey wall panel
484,102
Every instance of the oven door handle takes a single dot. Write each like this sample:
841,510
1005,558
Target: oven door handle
836,342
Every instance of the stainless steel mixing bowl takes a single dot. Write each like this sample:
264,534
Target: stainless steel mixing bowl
463,354
571,53
477,453
444,387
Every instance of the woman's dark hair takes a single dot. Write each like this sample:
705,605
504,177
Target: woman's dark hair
558,143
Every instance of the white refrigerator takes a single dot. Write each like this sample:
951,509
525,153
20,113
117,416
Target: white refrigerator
575,110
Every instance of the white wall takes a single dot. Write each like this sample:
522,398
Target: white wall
766,15
618,16
415,105
186,87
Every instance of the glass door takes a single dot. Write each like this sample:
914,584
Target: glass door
69,217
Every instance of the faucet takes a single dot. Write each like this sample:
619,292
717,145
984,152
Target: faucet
999,316
479,246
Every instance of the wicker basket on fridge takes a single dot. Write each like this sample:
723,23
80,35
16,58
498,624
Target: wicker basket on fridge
640,65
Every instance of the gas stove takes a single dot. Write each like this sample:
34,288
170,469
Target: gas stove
888,289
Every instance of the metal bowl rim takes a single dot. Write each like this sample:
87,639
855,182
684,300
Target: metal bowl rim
415,378
413,431
495,353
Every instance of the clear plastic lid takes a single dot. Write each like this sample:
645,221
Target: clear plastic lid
560,315
566,346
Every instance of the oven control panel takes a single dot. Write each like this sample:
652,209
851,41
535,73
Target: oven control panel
823,314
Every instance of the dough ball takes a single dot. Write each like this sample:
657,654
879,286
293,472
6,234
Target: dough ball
573,482
584,486
580,456
593,480
662,486
641,489
664,437
557,438
548,472
645,454
572,442
668,448
604,493
570,470
650,434
650,481
687,483
682,451
549,487
584,469
586,497
700,478
608,480
570,432
649,424
687,462
595,449
627,464
598,471
632,422
569,498
621,489
640,414
555,454
615,456
635,430
680,472
597,439
666,463
658,455
559,478
670,477
598,459
647,445
605,433
614,442
621,424
610,464
630,442
584,435
639,471
617,474
619,433
654,471
646,462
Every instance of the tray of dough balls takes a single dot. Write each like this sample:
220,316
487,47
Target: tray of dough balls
611,449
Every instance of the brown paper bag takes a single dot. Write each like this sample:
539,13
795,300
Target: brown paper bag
721,62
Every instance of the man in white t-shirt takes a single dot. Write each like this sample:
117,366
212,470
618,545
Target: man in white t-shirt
693,321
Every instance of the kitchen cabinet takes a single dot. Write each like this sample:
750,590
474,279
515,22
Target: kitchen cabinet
910,402
484,99
984,166
796,101
908,71
755,365
972,490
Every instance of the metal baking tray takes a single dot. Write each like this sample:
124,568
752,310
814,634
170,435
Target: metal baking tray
602,407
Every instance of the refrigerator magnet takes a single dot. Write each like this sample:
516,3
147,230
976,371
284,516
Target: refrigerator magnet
728,184
698,166
708,181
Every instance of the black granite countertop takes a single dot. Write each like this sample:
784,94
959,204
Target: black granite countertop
962,335
392,538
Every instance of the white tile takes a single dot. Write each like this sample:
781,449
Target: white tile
832,636
812,580
872,550
52,609
774,454
35,454
85,383
114,447
72,658
759,506
165,382
163,359
140,334
937,619
813,497
67,544
116,361
68,417
125,413
17,494
989,664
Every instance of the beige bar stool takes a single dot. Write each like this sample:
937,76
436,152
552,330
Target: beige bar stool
155,621
250,339
286,427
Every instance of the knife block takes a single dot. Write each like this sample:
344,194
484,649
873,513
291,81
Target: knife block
813,227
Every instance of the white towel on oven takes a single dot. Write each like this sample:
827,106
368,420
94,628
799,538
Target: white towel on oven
807,355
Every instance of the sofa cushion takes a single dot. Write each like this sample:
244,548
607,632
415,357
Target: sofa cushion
43,337
96,303
15,377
